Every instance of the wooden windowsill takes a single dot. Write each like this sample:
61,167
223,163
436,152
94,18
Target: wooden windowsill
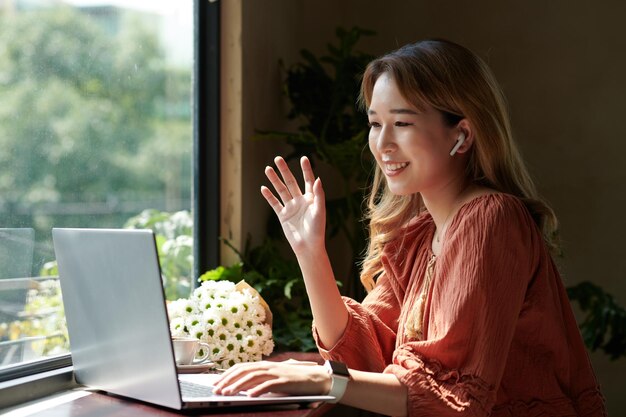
82,403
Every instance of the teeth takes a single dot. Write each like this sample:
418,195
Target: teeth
395,167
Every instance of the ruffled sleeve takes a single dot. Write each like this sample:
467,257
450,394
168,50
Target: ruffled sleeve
477,293
369,338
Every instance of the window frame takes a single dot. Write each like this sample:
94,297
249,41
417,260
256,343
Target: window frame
206,133
32,380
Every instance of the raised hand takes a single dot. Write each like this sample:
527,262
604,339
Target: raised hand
302,215
303,218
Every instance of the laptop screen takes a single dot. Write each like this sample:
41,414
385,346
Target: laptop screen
116,314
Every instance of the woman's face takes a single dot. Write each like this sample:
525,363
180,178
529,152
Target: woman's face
411,147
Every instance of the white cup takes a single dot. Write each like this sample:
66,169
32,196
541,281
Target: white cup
186,348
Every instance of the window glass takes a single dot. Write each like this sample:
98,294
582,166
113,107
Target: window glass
95,131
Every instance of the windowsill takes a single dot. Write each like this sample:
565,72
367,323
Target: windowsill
18,391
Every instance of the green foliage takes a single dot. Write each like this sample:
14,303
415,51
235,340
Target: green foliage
279,281
43,324
88,135
85,119
604,325
323,93
174,240
233,273
63,82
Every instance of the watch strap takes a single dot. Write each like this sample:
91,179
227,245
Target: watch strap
340,376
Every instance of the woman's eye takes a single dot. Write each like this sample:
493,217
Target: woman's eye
403,124
373,124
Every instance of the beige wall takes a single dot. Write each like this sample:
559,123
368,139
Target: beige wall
561,64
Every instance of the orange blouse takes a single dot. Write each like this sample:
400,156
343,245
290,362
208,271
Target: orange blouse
499,335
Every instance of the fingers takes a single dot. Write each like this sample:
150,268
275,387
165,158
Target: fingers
249,382
289,180
271,199
254,382
258,378
242,377
270,385
287,187
318,192
279,186
307,172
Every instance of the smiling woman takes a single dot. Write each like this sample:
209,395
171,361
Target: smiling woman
466,311
95,96
418,136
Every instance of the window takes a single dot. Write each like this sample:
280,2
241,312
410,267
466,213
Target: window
96,130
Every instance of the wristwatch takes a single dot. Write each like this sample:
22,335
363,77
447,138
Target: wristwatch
339,379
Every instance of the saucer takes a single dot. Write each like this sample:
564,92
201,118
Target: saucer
195,369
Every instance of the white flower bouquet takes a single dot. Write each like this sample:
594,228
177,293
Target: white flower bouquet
233,319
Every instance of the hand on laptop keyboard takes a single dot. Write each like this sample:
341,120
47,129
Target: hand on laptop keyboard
192,390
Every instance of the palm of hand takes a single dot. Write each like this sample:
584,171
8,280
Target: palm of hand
302,222
302,216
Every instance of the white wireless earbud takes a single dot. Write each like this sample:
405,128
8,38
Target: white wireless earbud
458,144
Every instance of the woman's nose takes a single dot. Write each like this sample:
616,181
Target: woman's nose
384,140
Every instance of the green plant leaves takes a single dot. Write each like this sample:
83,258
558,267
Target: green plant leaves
233,273
604,324
174,241
323,92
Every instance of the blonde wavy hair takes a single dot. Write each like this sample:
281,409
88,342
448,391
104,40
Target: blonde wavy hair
455,81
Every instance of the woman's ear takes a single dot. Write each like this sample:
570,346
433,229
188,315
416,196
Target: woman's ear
465,138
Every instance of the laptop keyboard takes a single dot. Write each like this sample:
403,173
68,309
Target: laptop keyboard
191,390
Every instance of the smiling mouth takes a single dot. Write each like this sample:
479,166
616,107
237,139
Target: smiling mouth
393,168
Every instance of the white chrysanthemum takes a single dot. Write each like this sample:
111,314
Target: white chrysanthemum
193,319
225,364
232,347
235,316
268,347
234,304
211,332
237,325
221,335
254,356
189,307
251,343
177,308
177,327
204,291
206,304
248,298
211,317
230,321
225,317
217,352
224,289
194,325
258,313
264,335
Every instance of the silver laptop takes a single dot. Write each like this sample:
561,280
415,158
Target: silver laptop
118,325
